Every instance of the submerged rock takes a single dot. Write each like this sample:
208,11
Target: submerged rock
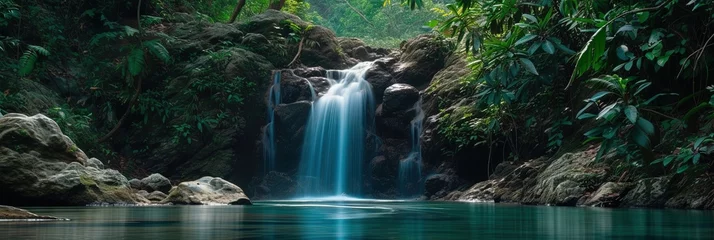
207,191
41,166
13,213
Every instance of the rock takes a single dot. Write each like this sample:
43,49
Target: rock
399,97
255,39
41,166
697,193
135,184
13,213
649,192
356,48
206,191
95,163
294,88
608,195
276,185
40,134
380,77
290,121
143,193
156,182
198,36
435,185
421,58
310,72
567,179
156,196
325,53
397,111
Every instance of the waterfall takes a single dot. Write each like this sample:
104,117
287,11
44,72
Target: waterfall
334,147
410,182
269,130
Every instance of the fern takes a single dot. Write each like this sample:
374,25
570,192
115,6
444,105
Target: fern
108,35
29,59
135,61
158,50
27,62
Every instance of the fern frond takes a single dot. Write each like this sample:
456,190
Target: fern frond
158,50
135,61
130,31
108,35
27,62
39,50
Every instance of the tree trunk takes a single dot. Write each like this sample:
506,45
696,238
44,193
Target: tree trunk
277,5
126,114
236,11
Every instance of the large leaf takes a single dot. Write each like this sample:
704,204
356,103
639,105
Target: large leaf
525,39
605,111
529,65
631,113
27,63
158,50
598,95
646,126
590,54
135,61
548,47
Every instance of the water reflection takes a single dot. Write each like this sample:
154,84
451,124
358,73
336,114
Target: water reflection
363,220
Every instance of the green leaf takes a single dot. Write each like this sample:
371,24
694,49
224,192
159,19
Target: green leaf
631,113
525,39
682,168
531,18
130,31
529,65
696,157
621,50
667,160
135,61
640,137
586,116
646,126
591,53
643,16
606,110
534,47
609,133
548,47
27,62
158,50
598,95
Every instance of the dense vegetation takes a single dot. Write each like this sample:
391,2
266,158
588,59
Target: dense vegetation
632,76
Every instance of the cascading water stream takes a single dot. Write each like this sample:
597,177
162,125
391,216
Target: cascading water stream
410,182
333,151
269,130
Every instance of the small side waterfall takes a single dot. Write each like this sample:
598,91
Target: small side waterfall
333,151
410,182
269,130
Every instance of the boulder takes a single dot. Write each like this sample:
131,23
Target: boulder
380,76
156,182
195,36
207,191
356,48
326,52
41,166
290,121
695,193
648,192
255,39
399,97
435,185
135,184
8,213
95,163
421,58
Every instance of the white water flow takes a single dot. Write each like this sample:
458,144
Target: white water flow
410,182
334,147
269,130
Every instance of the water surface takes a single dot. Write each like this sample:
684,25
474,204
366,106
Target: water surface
363,220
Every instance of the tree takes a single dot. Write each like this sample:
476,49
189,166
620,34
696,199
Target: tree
277,5
236,11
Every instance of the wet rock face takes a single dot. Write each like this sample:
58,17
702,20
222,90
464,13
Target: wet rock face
380,76
41,166
207,191
608,195
395,114
276,185
290,121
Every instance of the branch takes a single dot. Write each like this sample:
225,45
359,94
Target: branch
302,41
359,13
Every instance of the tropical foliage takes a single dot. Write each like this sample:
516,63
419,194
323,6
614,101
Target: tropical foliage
623,64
